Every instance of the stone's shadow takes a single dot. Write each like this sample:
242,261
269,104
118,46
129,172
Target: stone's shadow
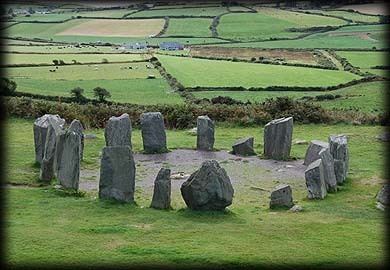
210,216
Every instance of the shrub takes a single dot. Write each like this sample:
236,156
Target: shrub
101,93
104,60
8,87
77,94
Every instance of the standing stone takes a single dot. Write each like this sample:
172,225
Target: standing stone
312,152
47,164
117,174
118,131
383,195
162,190
281,196
339,150
315,181
40,130
328,170
153,132
78,128
278,138
208,188
68,159
205,132
243,147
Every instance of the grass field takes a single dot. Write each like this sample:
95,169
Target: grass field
255,26
189,27
22,58
369,8
192,11
365,59
354,16
193,72
60,49
52,17
366,97
103,233
345,37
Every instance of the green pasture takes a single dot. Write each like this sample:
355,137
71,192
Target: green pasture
354,16
191,11
189,27
365,97
60,49
114,13
51,17
193,72
24,58
269,23
365,59
345,37
40,221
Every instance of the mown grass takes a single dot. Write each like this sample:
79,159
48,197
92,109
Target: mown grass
19,58
354,16
344,229
269,23
189,11
193,72
189,27
59,49
365,60
366,97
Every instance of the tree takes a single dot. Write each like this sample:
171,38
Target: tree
31,10
8,87
101,93
77,94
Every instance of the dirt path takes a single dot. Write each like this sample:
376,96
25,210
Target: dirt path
243,171
331,58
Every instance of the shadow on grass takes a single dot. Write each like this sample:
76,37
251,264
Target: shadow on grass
209,216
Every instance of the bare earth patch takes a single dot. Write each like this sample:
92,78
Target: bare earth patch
373,8
115,28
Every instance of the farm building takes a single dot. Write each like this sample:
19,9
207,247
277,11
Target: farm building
135,46
171,46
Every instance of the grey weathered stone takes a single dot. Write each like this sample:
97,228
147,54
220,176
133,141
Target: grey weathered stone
296,208
118,130
338,147
278,138
153,132
243,147
384,137
47,165
78,128
205,133
327,164
117,174
315,181
162,190
68,159
40,130
208,188
312,152
383,195
281,196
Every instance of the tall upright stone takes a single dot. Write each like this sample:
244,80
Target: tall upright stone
162,190
312,152
338,147
205,133
209,188
68,159
278,138
78,128
153,132
315,181
328,170
117,174
118,130
47,170
281,196
41,125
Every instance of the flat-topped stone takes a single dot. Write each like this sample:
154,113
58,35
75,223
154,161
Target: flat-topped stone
209,188
205,133
338,146
153,132
118,130
68,159
281,196
117,174
315,181
40,127
312,152
244,147
278,138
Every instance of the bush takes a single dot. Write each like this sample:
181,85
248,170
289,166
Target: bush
8,87
101,93
104,60
77,94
